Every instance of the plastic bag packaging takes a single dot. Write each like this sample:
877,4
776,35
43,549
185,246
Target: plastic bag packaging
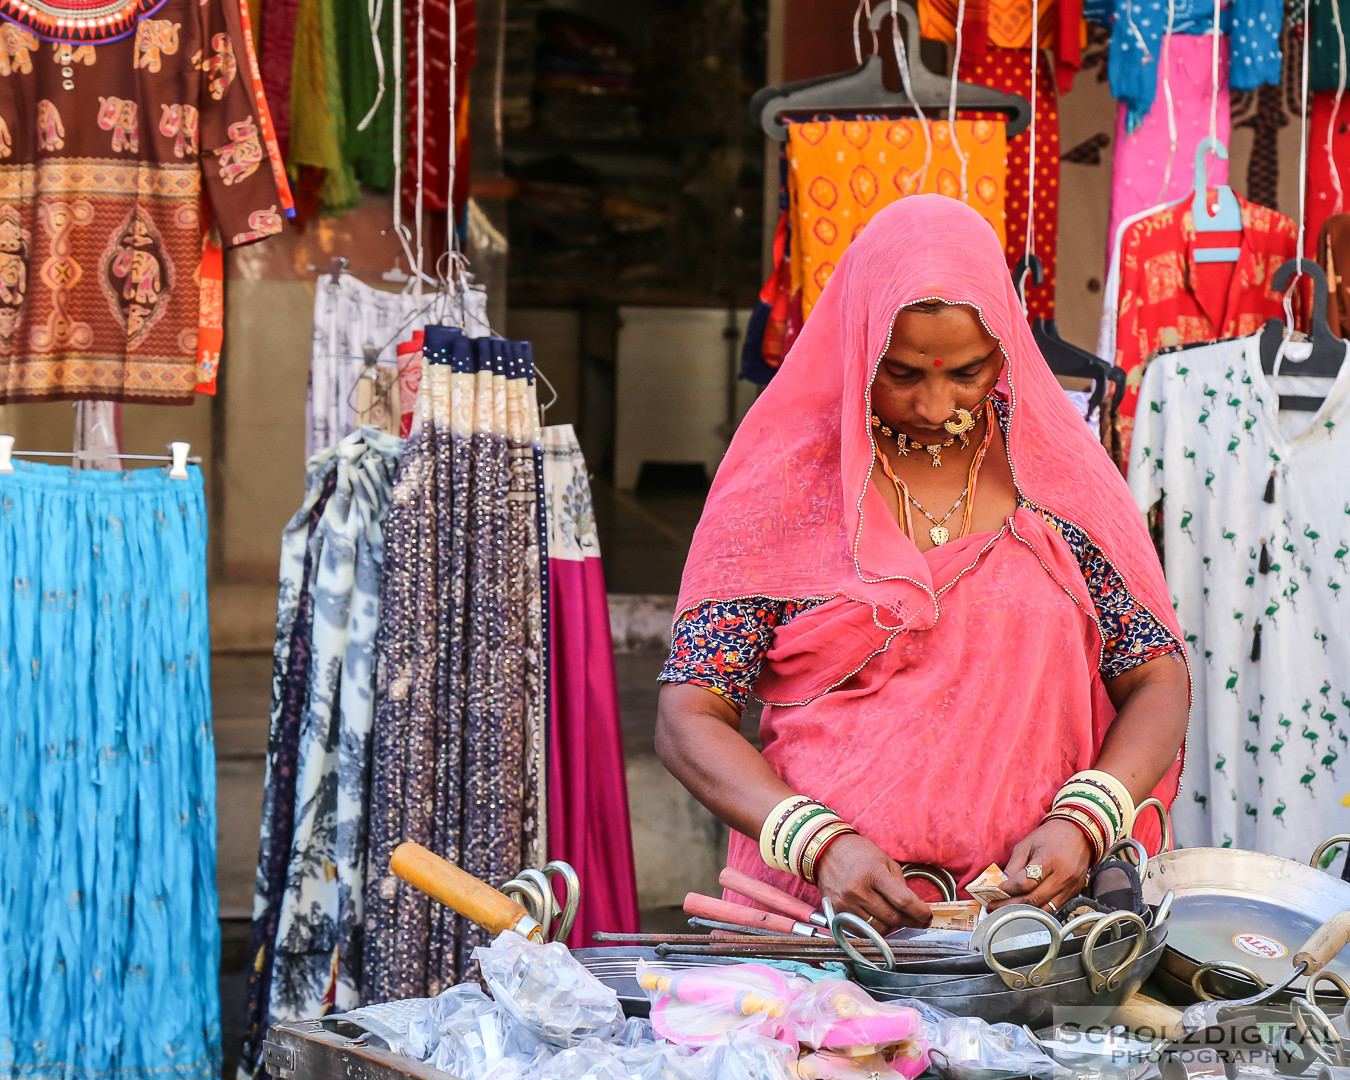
962,1047
591,1060
658,1061
636,1031
547,990
695,1006
837,1015
743,1056
455,1008
831,1065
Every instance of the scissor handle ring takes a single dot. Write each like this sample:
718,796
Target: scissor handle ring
1321,1034
571,895
1097,982
865,929
1339,838
1227,966
1129,843
1018,980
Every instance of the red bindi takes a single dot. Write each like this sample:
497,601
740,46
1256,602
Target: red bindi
937,363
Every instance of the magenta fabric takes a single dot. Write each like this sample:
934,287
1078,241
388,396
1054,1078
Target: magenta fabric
794,514
1139,160
587,786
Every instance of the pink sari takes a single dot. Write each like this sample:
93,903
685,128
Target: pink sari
937,700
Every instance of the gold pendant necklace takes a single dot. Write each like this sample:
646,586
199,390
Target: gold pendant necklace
939,533
960,428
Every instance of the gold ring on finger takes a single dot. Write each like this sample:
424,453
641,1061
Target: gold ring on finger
1035,872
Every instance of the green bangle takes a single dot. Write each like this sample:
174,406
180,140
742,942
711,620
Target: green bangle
799,817
797,831
1107,808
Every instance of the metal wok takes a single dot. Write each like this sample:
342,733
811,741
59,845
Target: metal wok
1244,910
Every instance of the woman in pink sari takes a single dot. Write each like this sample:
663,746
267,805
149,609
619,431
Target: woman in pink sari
919,557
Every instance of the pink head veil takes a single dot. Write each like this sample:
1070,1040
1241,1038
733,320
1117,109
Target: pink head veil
793,514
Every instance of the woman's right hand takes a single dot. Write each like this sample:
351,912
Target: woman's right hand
855,875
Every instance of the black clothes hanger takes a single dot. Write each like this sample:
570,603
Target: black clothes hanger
863,91
1328,351
1062,357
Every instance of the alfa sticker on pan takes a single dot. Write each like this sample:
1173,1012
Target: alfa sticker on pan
1267,948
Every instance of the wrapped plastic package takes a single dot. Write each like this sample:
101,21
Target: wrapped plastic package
591,1060
839,1015
694,1006
966,1047
832,1065
544,988
740,1055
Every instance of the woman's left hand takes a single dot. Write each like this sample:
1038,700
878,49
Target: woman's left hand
1062,852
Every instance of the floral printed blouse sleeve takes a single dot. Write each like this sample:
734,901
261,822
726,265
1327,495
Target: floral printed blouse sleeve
236,172
720,645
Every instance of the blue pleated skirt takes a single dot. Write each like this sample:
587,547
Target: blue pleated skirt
109,940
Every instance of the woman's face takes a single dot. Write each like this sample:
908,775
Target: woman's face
936,363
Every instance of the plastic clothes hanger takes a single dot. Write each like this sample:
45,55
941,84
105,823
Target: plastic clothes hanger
862,90
1328,351
1063,357
1227,216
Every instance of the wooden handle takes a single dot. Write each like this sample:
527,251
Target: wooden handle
761,892
1143,1013
1323,947
707,907
444,881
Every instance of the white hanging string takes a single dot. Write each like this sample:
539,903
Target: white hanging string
1166,62
1214,78
1336,107
375,15
951,98
1302,201
421,140
902,62
1031,146
864,11
451,233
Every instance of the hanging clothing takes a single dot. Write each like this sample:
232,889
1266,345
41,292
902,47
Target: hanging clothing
1261,609
1006,24
369,153
911,642
458,758
1333,253
442,123
1167,298
1326,44
1010,72
840,173
357,326
587,790
1328,164
109,144
309,900
318,118
110,942
1146,167
1138,27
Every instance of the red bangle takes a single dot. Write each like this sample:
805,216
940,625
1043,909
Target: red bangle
1094,845
824,848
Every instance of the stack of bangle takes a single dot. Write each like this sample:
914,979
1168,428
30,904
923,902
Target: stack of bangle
797,832
1099,804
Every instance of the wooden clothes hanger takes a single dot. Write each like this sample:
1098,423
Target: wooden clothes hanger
862,90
